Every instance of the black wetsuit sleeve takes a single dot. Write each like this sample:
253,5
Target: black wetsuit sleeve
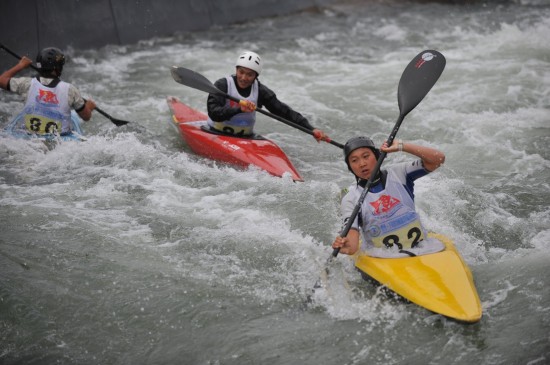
217,110
268,99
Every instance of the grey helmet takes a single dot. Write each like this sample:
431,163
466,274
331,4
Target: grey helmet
50,59
357,142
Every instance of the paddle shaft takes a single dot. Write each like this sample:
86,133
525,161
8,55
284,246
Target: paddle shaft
373,175
288,122
17,56
117,122
416,81
197,81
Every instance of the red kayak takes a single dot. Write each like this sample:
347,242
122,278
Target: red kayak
239,151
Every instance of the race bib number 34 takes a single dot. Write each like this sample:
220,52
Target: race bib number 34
41,125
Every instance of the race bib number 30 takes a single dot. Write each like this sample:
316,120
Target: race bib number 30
404,238
41,125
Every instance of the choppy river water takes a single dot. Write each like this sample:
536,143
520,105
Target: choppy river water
129,249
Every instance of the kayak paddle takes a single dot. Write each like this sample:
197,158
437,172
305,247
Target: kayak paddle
197,81
117,122
416,81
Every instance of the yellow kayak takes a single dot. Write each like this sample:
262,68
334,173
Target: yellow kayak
440,282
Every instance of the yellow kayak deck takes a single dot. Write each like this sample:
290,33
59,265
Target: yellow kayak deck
440,282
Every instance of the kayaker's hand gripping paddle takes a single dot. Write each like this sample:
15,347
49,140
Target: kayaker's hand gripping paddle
117,122
197,81
416,81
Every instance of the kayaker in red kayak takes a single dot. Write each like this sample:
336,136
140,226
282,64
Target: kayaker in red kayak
48,99
239,118
387,220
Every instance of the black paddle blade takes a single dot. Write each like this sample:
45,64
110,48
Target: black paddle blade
117,122
418,78
194,80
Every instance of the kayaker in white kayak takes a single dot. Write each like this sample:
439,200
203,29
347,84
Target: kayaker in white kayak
48,99
230,117
387,220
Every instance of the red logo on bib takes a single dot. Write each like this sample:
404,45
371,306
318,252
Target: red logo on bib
47,97
384,204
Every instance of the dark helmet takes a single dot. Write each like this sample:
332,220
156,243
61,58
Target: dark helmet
50,59
357,142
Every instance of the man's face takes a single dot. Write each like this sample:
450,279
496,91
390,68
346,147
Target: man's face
245,77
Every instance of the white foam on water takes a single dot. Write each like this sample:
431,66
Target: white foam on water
189,245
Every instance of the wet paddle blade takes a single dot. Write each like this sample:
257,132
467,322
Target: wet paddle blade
117,122
418,78
194,80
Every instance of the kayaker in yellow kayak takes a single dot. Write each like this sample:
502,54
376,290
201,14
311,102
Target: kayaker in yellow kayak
238,119
387,220
48,99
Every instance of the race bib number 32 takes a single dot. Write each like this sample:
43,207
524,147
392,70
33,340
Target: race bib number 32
404,238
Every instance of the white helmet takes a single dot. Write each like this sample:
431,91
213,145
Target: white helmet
250,60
